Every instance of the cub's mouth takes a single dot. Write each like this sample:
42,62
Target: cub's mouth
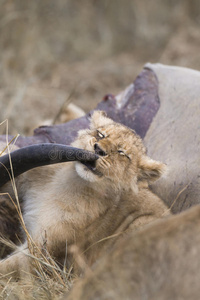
91,165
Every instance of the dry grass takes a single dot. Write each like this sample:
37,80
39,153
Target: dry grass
34,289
48,280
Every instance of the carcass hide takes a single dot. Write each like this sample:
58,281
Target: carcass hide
163,107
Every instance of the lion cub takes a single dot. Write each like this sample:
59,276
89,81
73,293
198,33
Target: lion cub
81,204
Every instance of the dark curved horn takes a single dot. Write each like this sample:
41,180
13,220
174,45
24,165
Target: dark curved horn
39,155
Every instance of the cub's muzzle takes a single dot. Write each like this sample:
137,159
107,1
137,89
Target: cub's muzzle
39,155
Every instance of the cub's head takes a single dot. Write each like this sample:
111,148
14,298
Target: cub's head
122,155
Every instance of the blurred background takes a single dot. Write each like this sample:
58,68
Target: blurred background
56,52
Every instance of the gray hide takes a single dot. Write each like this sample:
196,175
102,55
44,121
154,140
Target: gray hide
174,135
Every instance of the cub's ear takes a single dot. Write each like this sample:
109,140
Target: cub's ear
150,169
99,119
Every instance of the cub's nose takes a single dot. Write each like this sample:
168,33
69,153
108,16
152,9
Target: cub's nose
98,150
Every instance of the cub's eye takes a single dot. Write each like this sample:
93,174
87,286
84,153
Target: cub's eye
101,135
124,154
121,152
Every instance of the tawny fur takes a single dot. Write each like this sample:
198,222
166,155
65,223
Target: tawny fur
160,261
71,203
